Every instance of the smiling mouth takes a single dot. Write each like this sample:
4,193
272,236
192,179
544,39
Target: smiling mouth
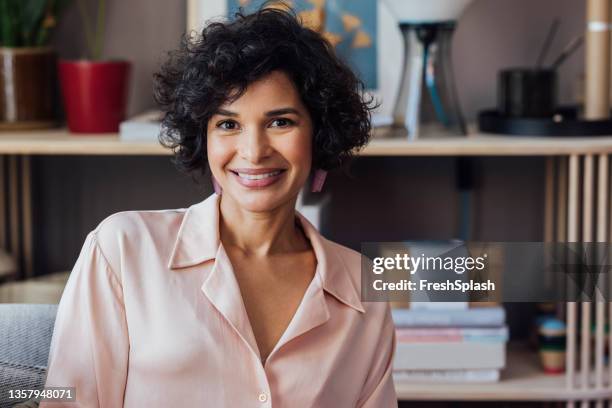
257,176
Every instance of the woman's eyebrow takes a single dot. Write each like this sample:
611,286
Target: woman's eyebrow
225,112
275,112
283,111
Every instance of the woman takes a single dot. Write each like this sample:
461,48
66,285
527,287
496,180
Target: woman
236,301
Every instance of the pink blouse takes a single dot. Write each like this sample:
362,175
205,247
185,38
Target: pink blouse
152,316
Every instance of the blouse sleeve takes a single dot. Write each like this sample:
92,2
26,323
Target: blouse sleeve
379,390
90,344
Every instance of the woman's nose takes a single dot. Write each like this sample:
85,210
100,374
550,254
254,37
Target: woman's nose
254,145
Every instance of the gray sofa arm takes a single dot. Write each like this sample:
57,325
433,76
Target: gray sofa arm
24,347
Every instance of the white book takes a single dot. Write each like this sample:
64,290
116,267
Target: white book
447,376
475,317
141,128
380,120
449,356
451,334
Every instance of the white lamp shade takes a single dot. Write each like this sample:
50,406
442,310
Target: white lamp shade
426,11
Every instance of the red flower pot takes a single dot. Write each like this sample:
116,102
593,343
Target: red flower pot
95,94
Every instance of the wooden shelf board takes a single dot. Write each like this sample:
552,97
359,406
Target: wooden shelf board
61,142
521,380
487,145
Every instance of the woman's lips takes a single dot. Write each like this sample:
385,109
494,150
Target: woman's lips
257,179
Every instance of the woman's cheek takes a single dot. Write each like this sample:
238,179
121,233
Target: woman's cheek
299,149
219,151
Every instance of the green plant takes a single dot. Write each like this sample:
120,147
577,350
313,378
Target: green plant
28,23
94,38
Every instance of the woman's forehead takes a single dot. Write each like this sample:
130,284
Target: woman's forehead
272,92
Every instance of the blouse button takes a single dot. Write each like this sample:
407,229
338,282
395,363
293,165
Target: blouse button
263,397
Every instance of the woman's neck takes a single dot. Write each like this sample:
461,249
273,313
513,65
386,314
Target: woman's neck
260,233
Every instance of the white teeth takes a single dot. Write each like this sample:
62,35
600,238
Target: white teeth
258,176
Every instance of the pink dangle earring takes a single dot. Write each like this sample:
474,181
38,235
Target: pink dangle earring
318,180
216,185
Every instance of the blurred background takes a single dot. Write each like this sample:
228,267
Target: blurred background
379,198
392,198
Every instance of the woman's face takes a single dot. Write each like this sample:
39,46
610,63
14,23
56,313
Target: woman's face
259,146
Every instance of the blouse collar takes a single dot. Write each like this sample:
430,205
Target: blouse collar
198,241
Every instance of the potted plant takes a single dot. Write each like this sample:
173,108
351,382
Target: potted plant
95,90
27,63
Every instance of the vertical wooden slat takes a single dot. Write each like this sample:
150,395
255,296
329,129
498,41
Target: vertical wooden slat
549,210
3,204
26,202
602,223
13,172
561,222
587,236
562,185
572,235
4,225
609,239
549,200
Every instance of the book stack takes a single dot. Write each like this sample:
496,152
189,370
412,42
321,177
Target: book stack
457,346
141,128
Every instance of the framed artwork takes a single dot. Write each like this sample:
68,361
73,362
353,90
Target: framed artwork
363,32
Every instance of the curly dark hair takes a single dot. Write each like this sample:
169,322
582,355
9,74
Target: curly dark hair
218,65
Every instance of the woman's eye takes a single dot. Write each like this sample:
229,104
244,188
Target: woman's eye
282,122
227,125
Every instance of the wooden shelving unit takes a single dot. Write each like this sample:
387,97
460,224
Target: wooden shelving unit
574,198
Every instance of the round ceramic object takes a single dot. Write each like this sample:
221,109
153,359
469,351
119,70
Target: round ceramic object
430,11
551,327
552,340
553,361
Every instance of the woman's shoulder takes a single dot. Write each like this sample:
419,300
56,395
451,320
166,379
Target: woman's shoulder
133,228
134,222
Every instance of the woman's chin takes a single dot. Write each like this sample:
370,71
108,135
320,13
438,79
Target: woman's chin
260,200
